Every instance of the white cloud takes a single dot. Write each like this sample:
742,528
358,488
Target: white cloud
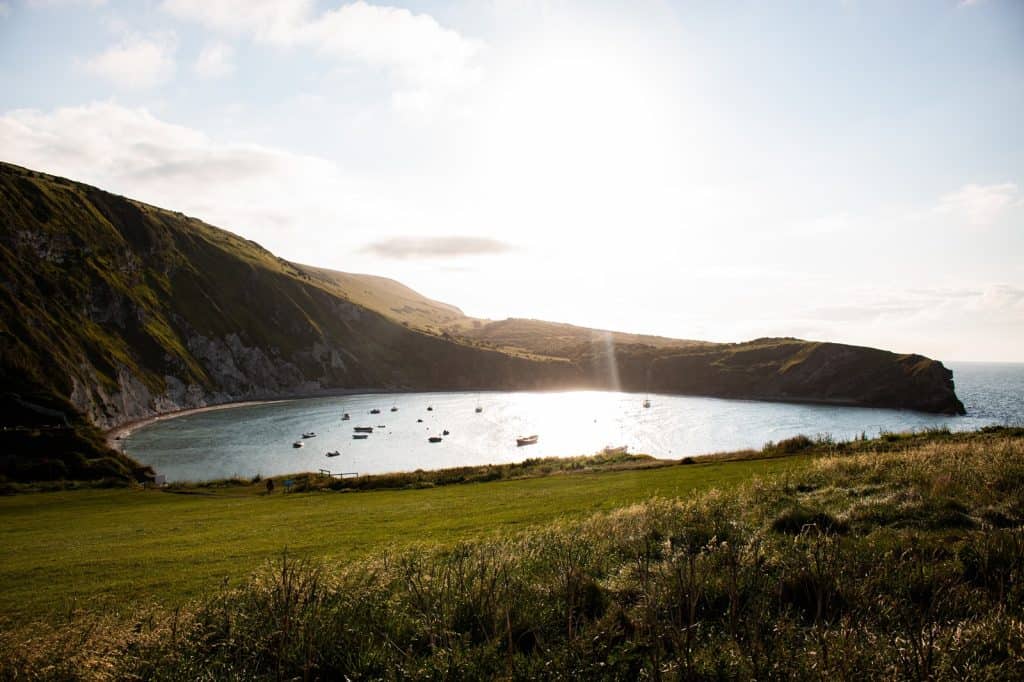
426,60
980,205
216,60
136,61
300,207
63,3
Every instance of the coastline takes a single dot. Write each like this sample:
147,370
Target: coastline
116,434
119,432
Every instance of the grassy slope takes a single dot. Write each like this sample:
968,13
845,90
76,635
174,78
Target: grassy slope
899,558
127,545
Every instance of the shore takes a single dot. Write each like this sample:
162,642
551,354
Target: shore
117,433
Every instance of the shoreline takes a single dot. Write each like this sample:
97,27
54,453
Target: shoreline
115,435
118,433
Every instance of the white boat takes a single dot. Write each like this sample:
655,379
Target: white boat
311,434
647,402
526,440
298,444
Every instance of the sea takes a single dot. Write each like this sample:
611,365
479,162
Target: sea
259,440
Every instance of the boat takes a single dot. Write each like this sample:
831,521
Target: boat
430,408
333,454
311,434
479,409
434,439
375,411
298,444
419,421
363,429
526,440
345,417
394,408
445,432
360,436
647,402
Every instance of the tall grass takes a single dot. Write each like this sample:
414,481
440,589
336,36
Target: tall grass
877,565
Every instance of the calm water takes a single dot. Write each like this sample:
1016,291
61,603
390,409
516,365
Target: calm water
258,439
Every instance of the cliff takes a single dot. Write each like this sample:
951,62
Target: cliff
114,310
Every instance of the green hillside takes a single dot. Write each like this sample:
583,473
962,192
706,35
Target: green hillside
894,559
112,310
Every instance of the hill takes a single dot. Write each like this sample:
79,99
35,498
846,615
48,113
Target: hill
114,310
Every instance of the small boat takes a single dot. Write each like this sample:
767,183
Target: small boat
419,421
434,439
345,417
363,429
394,409
298,444
430,408
360,436
479,409
311,434
445,432
647,403
375,411
526,440
333,454
381,426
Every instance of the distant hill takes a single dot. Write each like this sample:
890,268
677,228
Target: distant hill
114,310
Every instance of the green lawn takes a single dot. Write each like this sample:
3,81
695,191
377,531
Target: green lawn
114,548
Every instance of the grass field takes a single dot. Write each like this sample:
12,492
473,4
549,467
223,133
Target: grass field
898,558
113,549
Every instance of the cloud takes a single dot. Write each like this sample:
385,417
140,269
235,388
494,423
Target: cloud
64,3
216,60
980,205
136,61
270,195
404,248
425,60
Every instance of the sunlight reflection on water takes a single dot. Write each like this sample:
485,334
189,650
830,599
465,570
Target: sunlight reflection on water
258,439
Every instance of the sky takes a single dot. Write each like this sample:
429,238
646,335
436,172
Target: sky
837,170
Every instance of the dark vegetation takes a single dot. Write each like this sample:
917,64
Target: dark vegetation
899,559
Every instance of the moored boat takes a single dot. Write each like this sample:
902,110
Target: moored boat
333,454
526,440
434,439
375,411
360,436
298,444
363,429
311,434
